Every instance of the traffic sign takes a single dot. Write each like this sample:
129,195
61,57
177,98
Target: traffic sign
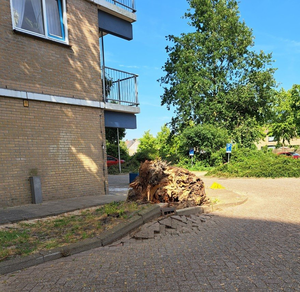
228,147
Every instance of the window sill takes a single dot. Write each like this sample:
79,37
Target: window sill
40,36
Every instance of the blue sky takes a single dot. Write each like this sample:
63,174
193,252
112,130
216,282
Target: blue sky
275,25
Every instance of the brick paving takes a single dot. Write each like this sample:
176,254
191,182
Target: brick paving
251,247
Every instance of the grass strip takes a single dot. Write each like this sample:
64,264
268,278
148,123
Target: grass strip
28,237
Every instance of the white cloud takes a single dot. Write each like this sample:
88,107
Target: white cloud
129,66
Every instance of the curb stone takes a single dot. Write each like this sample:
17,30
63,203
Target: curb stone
191,210
226,205
209,208
104,239
120,230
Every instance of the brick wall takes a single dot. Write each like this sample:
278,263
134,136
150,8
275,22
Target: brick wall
61,143
33,64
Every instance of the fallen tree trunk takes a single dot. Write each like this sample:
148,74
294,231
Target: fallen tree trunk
159,182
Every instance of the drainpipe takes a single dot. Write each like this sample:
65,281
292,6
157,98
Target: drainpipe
103,67
119,154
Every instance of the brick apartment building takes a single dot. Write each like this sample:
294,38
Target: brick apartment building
53,111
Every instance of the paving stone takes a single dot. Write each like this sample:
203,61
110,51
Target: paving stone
174,223
166,222
179,218
171,231
162,229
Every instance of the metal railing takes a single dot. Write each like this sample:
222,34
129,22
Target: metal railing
120,87
125,4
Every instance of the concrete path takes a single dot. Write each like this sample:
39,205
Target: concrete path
251,247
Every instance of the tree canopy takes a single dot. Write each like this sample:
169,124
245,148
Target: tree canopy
112,135
212,74
286,119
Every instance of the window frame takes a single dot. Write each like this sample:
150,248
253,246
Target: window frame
63,21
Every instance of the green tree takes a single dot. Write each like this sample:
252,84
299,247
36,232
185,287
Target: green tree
284,123
295,105
248,132
112,143
207,138
147,148
112,136
167,144
112,149
212,75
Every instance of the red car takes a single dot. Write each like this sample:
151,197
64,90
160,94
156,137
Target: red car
113,160
290,154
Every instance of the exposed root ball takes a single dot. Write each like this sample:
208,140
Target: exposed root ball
159,182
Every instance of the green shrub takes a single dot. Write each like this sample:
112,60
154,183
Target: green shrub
195,166
112,149
246,162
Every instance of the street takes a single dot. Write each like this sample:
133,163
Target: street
251,247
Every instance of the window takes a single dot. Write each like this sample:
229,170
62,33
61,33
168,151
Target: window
44,18
271,139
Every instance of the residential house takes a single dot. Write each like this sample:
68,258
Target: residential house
53,109
271,143
132,146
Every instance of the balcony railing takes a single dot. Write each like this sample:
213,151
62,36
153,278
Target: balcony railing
120,87
128,5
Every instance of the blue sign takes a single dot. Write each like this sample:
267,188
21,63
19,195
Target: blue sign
191,152
228,147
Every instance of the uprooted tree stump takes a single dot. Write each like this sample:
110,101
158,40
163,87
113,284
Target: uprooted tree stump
160,183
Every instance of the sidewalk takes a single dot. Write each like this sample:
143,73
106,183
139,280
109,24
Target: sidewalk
118,187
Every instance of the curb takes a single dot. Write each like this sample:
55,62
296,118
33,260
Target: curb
226,205
208,208
192,210
103,239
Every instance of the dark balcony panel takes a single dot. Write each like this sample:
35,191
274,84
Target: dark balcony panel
114,25
119,120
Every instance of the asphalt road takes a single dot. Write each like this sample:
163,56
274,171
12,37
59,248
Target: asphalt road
251,247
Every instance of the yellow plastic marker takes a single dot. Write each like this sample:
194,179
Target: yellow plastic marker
216,186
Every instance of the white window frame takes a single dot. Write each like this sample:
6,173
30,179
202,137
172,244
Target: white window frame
46,33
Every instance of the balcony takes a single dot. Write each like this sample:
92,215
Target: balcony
120,94
123,9
128,5
120,87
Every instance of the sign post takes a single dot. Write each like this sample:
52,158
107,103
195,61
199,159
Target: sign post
228,149
191,153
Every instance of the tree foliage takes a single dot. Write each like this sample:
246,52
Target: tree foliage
112,143
112,136
162,146
206,138
167,144
147,148
286,110
112,149
212,75
295,105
